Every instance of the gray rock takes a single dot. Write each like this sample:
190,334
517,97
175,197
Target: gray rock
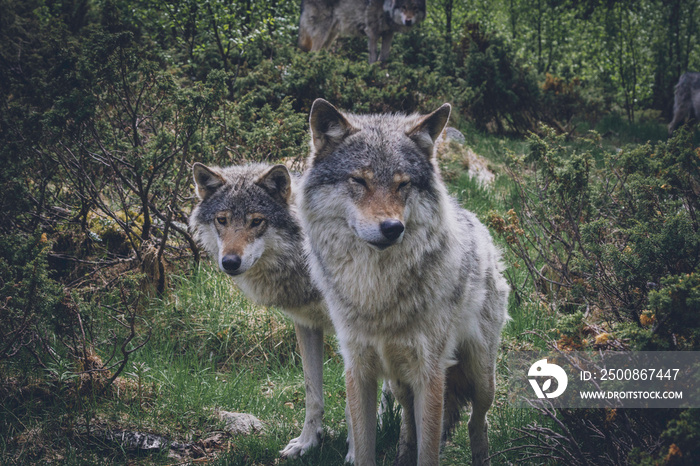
240,423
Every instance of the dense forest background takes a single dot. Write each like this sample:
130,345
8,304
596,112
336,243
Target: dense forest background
110,319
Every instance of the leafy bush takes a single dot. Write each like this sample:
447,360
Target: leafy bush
612,242
562,101
30,309
348,84
504,92
616,233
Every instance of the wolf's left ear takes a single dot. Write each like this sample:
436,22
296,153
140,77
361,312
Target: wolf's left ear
429,128
206,179
328,128
277,182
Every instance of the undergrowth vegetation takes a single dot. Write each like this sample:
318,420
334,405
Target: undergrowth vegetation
111,322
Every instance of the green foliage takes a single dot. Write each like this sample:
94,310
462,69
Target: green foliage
684,432
30,310
676,306
350,84
615,232
211,319
215,34
259,131
503,91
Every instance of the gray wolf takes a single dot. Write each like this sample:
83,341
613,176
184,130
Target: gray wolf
246,220
321,21
412,281
686,101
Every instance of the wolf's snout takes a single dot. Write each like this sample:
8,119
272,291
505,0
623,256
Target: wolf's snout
408,22
231,262
391,229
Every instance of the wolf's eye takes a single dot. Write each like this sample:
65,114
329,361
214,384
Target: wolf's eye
221,220
403,184
256,222
358,180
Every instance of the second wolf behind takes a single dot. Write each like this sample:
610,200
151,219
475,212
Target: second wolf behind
686,101
321,21
246,221
412,281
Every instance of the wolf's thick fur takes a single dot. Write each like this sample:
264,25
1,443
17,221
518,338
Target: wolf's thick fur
321,21
246,220
412,281
686,100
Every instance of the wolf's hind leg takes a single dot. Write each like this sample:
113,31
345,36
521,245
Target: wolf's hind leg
482,399
311,347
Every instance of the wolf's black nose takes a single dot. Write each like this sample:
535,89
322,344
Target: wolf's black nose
408,22
231,262
391,229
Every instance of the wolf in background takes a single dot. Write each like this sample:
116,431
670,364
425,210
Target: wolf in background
412,281
321,21
246,220
686,101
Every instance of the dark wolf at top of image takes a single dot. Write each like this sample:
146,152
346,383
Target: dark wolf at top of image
321,21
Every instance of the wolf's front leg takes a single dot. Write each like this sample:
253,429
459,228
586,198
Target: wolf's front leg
361,387
311,347
428,406
407,453
373,42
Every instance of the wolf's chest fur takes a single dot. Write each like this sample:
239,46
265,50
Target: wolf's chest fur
396,291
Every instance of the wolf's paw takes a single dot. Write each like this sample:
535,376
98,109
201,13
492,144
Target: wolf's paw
300,445
350,458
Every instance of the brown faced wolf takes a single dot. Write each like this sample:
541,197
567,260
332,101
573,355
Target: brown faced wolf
686,101
246,220
322,21
412,281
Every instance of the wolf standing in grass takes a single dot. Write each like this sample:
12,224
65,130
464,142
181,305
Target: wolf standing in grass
412,281
246,220
321,21
686,101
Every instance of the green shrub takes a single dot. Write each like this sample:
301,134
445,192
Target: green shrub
612,242
617,233
30,310
504,92
350,85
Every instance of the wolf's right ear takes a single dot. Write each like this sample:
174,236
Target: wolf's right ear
277,182
328,128
428,129
206,180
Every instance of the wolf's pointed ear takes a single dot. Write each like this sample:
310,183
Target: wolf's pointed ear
429,128
328,128
206,179
277,182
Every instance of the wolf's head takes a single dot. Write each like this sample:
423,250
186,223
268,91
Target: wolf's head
241,211
405,12
373,170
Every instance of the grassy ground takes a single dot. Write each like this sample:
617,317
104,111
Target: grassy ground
210,348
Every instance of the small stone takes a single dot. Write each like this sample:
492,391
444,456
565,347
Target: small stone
240,423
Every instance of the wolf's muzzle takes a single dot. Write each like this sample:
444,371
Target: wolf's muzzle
231,263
